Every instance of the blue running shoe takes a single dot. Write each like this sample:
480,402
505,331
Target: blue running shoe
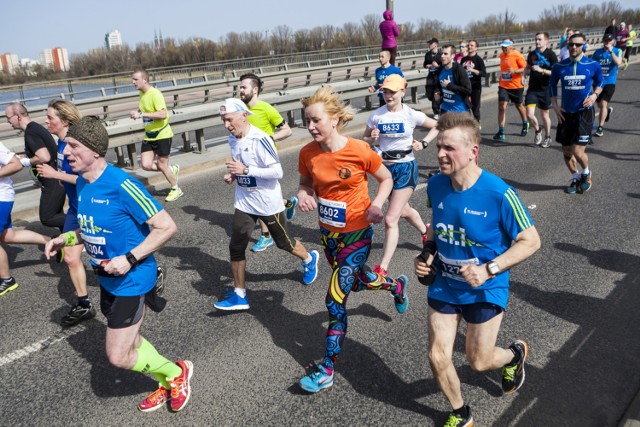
262,244
310,271
231,302
317,379
573,187
291,207
402,300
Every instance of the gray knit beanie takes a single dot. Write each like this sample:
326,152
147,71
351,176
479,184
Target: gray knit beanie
90,131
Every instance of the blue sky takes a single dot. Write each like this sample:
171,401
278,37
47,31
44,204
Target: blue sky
30,26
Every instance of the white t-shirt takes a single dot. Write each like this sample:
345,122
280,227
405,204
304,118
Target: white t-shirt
396,129
256,195
7,193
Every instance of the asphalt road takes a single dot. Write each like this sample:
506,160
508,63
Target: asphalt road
575,302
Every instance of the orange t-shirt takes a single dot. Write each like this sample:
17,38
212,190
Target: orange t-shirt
515,60
340,183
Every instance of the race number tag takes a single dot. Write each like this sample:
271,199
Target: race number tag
395,129
332,212
451,267
96,247
59,161
506,77
447,95
247,182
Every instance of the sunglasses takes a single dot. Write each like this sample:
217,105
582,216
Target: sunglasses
575,44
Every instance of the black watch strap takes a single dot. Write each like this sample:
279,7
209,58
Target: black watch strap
132,259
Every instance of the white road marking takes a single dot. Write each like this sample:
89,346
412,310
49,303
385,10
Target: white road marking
40,345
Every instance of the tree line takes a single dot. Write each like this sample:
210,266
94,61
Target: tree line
284,40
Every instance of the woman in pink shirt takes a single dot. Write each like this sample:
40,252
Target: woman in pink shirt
389,32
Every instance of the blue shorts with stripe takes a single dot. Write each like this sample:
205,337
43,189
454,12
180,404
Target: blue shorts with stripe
405,174
5,216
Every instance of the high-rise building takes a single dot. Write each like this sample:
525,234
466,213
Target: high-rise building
113,39
60,59
9,62
46,58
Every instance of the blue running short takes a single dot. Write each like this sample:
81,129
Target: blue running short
405,174
71,221
479,312
5,216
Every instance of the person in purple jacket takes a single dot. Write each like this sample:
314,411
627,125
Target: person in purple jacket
389,32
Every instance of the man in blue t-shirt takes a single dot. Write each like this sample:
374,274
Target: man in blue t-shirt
610,58
121,226
453,85
578,75
382,72
480,229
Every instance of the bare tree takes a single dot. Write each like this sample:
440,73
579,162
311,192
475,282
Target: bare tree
370,25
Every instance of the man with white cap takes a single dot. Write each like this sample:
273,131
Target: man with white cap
121,226
512,66
256,168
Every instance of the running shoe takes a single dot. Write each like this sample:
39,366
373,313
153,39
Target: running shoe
525,129
7,285
180,387
402,299
455,420
291,207
599,131
174,194
585,182
499,136
513,374
160,274
77,314
175,169
609,111
310,271
262,244
232,302
379,270
317,379
573,187
537,138
155,400
547,142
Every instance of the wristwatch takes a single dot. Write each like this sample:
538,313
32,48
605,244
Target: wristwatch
246,171
132,259
493,268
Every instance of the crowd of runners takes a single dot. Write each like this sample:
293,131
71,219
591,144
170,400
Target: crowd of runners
476,231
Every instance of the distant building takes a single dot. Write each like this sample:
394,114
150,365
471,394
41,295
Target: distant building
9,62
46,58
112,39
60,59
158,41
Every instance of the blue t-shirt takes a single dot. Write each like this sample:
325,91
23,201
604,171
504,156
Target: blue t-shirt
112,213
451,101
577,79
473,226
63,166
609,68
383,73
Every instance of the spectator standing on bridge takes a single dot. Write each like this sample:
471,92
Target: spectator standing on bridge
577,75
609,58
476,71
40,147
382,72
630,39
454,86
256,169
333,181
539,63
156,145
512,66
121,227
60,115
392,127
9,165
433,62
389,32
266,118
476,217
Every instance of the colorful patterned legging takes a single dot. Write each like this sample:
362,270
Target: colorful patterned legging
347,254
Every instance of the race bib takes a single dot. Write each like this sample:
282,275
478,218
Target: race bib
147,120
447,96
96,247
605,71
332,212
59,161
394,129
506,77
451,267
247,182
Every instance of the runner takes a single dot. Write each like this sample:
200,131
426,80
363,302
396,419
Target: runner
392,127
382,72
433,62
121,227
512,65
610,59
454,86
476,71
334,168
256,168
60,115
629,47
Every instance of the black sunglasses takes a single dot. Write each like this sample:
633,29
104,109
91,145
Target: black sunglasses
575,44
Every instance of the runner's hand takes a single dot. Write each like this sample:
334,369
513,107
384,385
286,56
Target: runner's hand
118,266
474,275
374,214
53,246
46,171
228,178
306,203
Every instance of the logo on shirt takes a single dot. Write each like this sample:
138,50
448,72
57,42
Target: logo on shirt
440,206
447,233
100,201
344,173
472,212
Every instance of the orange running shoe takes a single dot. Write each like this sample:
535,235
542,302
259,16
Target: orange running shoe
155,400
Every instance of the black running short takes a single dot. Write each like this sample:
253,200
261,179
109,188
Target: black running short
122,312
162,147
576,128
243,225
479,312
607,93
513,95
538,98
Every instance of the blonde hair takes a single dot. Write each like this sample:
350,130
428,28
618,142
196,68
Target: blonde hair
332,105
65,111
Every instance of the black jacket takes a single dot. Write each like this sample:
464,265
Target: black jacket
429,57
460,84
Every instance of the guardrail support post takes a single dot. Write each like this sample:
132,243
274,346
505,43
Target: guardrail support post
201,147
186,142
132,157
367,102
291,118
120,157
414,94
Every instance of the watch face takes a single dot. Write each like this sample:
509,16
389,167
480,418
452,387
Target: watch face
493,268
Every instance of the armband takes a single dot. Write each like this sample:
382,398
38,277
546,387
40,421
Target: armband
70,238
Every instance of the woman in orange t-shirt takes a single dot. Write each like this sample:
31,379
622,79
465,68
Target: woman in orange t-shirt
334,169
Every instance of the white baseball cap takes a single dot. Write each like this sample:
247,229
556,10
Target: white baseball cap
233,105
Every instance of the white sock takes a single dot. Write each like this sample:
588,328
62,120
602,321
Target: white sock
175,187
585,171
241,292
576,175
308,259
